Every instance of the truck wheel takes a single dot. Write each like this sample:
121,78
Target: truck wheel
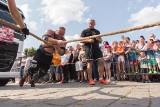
3,82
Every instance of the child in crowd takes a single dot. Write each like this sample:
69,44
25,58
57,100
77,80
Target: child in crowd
64,63
55,68
79,70
132,58
120,53
107,55
27,65
157,52
151,58
82,58
144,67
114,58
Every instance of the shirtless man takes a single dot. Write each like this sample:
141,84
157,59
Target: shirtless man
43,56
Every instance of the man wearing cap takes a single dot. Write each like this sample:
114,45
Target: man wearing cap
42,59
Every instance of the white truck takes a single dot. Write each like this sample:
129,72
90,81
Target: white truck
11,46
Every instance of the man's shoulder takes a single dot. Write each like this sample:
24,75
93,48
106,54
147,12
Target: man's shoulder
50,32
96,30
88,29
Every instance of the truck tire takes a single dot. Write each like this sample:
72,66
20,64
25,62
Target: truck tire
3,82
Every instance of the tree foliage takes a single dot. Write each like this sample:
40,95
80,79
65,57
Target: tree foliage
29,51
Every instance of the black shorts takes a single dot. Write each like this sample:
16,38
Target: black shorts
93,53
43,59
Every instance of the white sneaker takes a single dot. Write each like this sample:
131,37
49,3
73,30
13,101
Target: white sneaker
112,79
69,80
73,80
109,80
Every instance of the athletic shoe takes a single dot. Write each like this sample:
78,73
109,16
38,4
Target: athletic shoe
102,81
91,82
50,81
81,81
77,80
72,80
143,81
21,82
155,72
32,84
150,72
85,81
136,72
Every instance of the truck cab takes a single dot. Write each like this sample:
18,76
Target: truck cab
11,46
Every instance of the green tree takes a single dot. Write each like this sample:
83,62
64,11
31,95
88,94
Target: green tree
25,51
29,51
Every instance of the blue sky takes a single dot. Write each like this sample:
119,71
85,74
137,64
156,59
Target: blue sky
110,15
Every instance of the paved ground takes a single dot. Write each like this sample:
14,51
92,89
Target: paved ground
121,94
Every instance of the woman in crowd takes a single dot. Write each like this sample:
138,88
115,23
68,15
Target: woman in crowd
107,55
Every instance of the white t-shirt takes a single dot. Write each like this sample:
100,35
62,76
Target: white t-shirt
23,62
64,58
28,62
141,47
105,53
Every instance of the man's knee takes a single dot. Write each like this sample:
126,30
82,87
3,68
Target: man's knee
42,72
33,67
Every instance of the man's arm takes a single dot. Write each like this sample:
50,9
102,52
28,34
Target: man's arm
61,45
99,39
87,41
83,34
15,14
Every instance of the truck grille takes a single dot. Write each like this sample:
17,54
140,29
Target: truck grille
8,54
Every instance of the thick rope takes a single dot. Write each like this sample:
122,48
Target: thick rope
18,28
90,37
117,32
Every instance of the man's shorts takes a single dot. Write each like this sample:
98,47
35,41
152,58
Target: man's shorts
79,66
93,53
43,59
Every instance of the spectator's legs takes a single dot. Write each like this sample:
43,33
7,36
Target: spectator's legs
21,71
136,66
159,65
106,72
150,69
82,75
109,72
78,76
132,66
119,70
85,74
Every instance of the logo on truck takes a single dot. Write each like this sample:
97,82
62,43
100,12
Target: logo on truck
6,34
